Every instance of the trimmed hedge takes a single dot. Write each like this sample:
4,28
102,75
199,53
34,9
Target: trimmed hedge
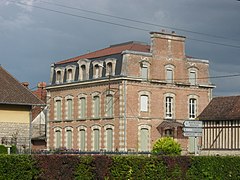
118,167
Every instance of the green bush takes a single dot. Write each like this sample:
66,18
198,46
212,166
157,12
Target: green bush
166,146
21,167
3,149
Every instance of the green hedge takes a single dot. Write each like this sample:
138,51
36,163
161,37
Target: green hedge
118,167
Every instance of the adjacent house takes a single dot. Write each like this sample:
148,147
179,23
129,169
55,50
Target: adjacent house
221,126
126,96
16,103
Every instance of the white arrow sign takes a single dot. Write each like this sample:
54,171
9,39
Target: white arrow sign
193,123
192,134
189,129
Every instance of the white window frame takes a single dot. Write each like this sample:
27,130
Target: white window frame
82,129
169,105
82,111
67,98
68,129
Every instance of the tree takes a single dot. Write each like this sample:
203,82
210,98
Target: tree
166,146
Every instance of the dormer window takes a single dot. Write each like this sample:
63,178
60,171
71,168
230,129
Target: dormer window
110,66
144,69
96,73
109,70
192,77
84,65
58,76
69,75
97,69
169,71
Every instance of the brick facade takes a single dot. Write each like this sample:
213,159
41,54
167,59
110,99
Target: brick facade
145,89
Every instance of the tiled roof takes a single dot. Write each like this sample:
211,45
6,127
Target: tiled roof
222,108
13,92
114,49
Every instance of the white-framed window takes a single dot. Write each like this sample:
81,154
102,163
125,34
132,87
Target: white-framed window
144,72
144,103
59,74
169,105
70,69
192,108
82,107
97,69
109,132
109,70
83,72
109,105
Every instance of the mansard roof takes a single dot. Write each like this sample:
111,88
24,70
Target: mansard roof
13,92
113,49
222,108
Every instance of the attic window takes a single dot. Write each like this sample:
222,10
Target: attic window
58,76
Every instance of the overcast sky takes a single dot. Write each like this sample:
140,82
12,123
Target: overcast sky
32,38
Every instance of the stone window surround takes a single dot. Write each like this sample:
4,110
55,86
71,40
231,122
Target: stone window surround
65,135
107,93
62,71
82,95
144,62
173,96
144,126
95,126
85,62
144,93
93,108
100,66
73,68
82,127
58,98
169,67
66,106
113,61
55,129
195,70
109,126
196,97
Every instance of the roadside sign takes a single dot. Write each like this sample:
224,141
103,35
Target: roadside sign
192,134
193,123
195,130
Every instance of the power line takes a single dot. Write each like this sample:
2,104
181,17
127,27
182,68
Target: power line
117,24
138,21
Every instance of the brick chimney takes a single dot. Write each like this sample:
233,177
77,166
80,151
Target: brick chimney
167,46
41,92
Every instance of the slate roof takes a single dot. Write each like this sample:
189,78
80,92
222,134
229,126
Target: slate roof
113,49
222,108
13,92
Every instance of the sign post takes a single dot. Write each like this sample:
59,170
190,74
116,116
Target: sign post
193,128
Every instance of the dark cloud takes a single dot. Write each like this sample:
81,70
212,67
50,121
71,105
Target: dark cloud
32,39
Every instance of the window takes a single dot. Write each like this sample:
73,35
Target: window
96,140
58,109
69,109
58,77
69,139
83,72
192,108
144,72
144,103
82,138
169,77
109,105
97,75
109,69
169,107
69,75
192,78
168,132
96,108
58,138
82,102
109,139
144,139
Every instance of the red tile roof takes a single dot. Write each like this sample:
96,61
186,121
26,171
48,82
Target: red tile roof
113,49
13,92
222,108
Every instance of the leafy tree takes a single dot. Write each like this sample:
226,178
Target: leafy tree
166,146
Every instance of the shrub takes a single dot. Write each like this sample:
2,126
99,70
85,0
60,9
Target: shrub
3,149
166,146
